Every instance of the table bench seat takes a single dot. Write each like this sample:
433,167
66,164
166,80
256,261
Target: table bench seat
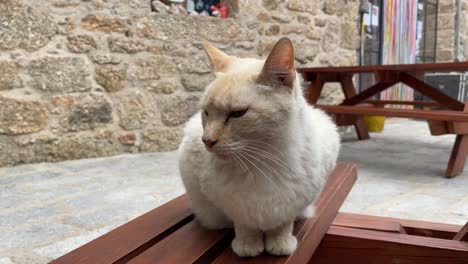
169,234
441,115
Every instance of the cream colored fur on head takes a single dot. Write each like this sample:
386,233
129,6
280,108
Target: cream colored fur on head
265,155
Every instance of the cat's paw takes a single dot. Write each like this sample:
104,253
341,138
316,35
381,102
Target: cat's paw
250,246
281,245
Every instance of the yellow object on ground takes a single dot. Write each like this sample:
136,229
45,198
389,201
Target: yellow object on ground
375,123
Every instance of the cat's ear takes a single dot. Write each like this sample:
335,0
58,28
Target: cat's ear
219,59
279,66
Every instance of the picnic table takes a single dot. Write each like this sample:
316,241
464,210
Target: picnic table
449,117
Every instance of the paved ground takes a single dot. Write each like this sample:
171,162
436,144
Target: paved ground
47,210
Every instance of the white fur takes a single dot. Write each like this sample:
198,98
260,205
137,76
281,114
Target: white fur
223,193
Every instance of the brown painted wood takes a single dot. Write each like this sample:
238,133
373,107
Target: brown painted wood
413,227
413,68
133,237
353,245
314,91
442,115
394,102
345,120
430,92
459,153
368,93
458,156
462,235
369,224
309,232
189,244
350,91
438,128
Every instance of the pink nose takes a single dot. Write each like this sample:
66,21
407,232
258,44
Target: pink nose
209,142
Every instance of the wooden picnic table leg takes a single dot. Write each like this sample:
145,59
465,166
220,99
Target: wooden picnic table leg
459,153
457,158
462,235
315,89
349,91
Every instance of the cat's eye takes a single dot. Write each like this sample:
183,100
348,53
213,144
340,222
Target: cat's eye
205,112
239,113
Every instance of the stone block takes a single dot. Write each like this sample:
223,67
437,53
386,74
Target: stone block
21,117
81,43
196,82
60,75
82,111
152,68
9,78
111,77
163,87
303,6
179,109
169,28
104,23
348,39
23,27
125,45
161,139
135,110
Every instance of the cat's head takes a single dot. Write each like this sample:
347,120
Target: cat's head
249,102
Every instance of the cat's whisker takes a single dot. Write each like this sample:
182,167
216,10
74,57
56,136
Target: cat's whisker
246,168
275,172
262,172
253,141
271,157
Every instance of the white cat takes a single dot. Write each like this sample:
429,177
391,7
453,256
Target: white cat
257,155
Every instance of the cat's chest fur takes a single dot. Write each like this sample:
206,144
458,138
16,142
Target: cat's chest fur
257,197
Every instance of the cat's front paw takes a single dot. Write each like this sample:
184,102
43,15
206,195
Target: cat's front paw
250,246
281,245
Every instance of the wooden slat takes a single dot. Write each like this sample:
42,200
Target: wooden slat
350,91
462,235
459,153
353,246
443,115
431,92
395,102
438,128
413,227
368,93
370,224
189,244
428,67
132,238
315,89
309,232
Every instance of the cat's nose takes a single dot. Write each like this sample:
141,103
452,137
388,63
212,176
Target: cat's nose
209,142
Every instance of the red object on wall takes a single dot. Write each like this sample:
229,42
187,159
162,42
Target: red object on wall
221,8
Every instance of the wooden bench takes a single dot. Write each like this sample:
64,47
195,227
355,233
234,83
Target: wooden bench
450,117
168,234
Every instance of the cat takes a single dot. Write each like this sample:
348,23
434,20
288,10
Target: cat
257,155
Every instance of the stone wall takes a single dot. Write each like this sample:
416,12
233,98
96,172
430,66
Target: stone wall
446,31
89,78
464,32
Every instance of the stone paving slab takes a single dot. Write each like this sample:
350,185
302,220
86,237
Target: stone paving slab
47,210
